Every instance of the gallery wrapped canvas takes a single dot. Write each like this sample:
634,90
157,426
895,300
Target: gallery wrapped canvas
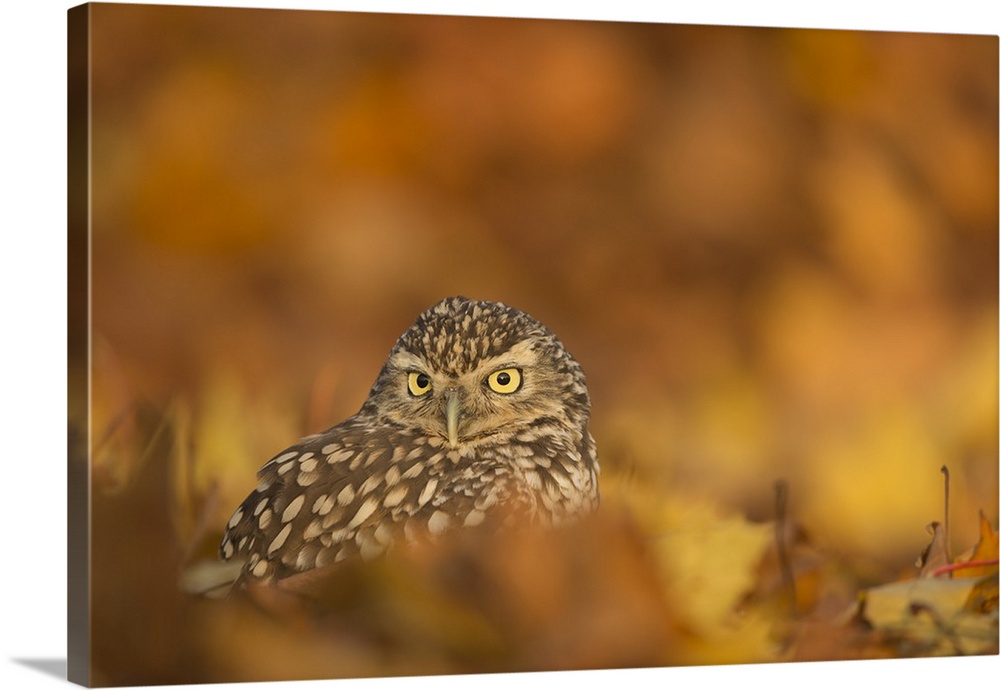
416,345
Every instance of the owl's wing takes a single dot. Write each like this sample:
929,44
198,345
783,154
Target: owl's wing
348,490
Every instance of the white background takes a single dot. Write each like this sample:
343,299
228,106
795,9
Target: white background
33,336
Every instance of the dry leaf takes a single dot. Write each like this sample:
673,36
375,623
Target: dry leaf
711,563
936,554
930,615
986,550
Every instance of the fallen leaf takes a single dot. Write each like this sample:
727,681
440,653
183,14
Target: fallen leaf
930,615
713,560
986,551
936,554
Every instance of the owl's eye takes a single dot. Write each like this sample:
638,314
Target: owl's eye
418,383
504,381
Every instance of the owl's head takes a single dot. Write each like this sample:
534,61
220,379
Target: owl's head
467,370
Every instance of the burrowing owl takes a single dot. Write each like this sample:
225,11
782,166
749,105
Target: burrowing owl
478,408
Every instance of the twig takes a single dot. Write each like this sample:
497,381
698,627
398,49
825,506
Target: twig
947,522
780,508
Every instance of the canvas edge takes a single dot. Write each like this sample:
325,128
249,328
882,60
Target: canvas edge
78,344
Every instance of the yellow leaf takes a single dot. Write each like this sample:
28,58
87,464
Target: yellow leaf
713,561
931,613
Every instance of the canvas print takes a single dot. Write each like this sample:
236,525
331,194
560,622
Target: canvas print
412,345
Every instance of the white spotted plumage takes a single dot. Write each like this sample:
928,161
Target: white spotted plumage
412,464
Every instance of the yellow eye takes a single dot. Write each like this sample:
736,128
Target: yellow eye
418,383
505,381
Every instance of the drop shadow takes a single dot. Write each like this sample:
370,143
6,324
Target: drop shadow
50,667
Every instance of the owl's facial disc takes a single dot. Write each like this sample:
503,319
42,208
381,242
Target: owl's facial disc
470,404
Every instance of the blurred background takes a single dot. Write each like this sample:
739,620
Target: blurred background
773,251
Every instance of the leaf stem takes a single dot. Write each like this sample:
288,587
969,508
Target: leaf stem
951,567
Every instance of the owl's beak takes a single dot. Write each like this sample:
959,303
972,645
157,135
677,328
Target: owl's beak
452,409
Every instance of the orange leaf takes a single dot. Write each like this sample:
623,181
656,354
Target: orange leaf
985,552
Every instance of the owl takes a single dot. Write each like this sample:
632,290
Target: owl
478,410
